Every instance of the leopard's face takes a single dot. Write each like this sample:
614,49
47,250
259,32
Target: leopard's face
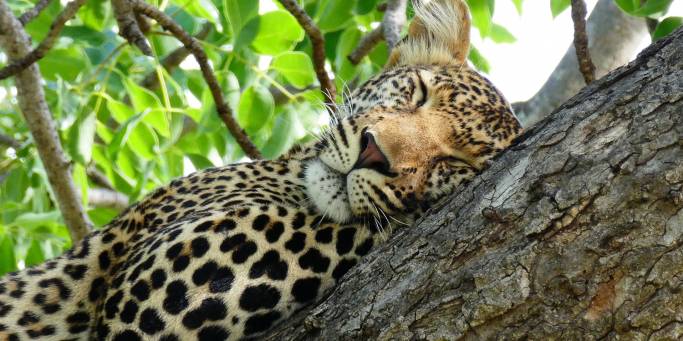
407,137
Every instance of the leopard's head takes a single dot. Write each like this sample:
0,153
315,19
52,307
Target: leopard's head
413,133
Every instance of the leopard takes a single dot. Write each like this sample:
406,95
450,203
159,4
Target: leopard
228,253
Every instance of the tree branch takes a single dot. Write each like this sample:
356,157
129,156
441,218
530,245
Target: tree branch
581,41
224,111
366,45
31,98
9,141
173,59
613,37
47,43
102,197
33,12
128,25
318,42
573,233
394,19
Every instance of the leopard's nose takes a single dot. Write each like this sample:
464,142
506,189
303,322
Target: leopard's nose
371,156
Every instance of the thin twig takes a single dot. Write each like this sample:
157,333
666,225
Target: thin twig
102,197
33,12
318,44
129,27
390,30
47,43
581,41
9,141
224,111
33,106
366,45
394,19
173,59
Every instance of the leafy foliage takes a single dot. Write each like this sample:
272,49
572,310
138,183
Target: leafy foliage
141,134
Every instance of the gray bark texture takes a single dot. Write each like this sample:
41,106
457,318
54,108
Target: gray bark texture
613,37
576,232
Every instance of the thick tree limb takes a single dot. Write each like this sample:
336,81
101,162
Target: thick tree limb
574,233
581,41
318,44
613,37
33,12
128,25
36,54
16,44
224,111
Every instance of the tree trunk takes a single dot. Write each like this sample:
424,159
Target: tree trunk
574,233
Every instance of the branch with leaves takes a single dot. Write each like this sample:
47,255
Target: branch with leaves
36,54
195,48
33,106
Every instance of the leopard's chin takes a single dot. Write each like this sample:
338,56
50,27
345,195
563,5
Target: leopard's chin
326,190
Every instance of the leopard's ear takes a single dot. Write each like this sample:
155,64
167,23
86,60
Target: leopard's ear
439,34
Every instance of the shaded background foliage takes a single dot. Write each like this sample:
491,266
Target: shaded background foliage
131,123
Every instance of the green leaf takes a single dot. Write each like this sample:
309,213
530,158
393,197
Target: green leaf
81,138
666,26
365,6
256,108
518,5
336,15
199,161
628,6
31,220
63,63
146,101
478,60
34,254
84,33
198,8
7,260
296,67
238,12
278,31
558,6
101,216
95,13
653,8
500,34
481,16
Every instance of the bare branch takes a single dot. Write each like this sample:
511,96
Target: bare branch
366,45
33,12
318,43
581,41
128,25
31,98
101,197
390,29
394,19
98,178
224,111
9,141
22,62
173,59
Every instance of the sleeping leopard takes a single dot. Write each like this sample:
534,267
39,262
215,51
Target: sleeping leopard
227,253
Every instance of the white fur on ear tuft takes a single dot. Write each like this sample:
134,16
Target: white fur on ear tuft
438,34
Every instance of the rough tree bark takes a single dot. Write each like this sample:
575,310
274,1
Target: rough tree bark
574,233
613,37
